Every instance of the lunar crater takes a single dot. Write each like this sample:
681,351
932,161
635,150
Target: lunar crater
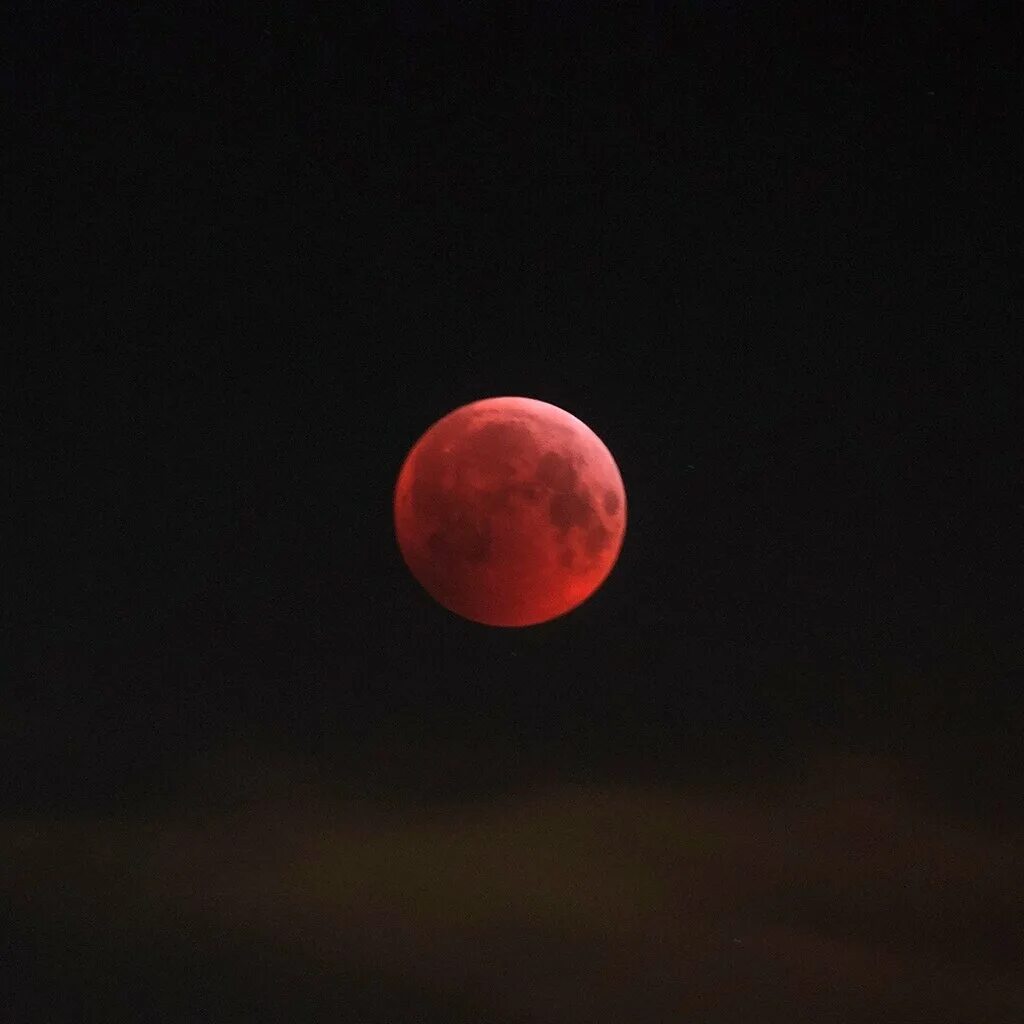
596,539
568,510
462,539
556,471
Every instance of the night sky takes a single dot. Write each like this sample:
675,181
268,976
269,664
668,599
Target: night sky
770,771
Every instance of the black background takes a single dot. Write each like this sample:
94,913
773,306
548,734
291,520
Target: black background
765,252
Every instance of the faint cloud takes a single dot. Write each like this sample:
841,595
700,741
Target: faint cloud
836,899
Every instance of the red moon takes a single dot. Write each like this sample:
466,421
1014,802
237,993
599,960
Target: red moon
510,511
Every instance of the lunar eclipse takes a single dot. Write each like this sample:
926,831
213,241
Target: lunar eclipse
510,511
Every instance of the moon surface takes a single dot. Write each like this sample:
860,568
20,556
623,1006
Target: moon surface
510,511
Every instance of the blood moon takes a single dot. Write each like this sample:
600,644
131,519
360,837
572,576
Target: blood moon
510,511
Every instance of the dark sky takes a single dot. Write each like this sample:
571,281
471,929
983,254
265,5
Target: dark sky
767,253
